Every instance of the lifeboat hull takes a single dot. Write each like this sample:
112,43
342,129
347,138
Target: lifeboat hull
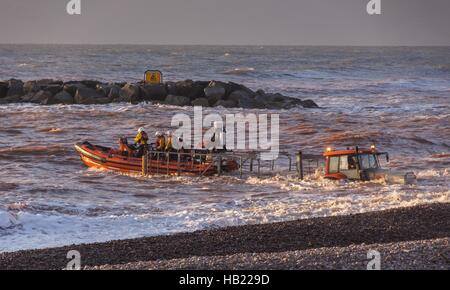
104,158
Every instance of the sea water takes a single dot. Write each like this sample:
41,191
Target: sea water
397,98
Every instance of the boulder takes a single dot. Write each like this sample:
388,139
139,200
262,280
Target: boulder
260,92
236,95
3,89
214,92
202,84
232,87
103,89
249,103
171,88
244,100
40,97
226,104
182,93
279,105
27,97
90,83
190,89
153,92
62,97
178,100
88,96
15,88
264,99
11,99
270,98
114,93
276,101
111,91
72,87
47,82
201,102
53,88
130,93
102,100
30,87
309,104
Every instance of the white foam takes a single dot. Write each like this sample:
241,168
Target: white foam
6,220
433,173
239,71
289,199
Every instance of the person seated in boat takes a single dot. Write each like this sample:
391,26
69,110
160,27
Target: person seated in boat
124,149
141,141
160,141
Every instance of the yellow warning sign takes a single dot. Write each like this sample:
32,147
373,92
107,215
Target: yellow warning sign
153,77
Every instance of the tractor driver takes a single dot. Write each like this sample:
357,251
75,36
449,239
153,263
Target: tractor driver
352,161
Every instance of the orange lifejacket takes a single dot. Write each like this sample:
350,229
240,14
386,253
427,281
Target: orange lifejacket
161,143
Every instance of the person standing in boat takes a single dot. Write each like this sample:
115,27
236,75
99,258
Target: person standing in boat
169,141
141,142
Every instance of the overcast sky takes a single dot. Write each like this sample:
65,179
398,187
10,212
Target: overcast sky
240,22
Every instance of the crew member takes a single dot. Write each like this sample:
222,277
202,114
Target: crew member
160,141
124,149
141,141
169,141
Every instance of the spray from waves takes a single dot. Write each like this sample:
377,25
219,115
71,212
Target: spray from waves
52,130
312,183
239,71
7,220
341,198
171,180
434,173
27,65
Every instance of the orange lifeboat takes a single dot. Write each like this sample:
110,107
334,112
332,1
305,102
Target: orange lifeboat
193,163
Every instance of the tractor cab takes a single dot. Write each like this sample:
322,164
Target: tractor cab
361,164
354,164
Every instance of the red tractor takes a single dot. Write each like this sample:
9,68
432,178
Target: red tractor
363,165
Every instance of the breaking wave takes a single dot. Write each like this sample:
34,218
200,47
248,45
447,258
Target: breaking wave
7,220
240,71
52,130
